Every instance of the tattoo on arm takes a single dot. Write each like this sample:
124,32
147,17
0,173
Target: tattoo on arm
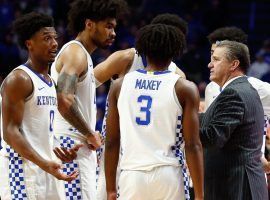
75,117
67,85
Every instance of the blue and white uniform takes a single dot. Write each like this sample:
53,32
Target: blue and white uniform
149,135
20,178
137,63
84,186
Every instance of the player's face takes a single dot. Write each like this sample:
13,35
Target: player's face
43,45
219,66
104,34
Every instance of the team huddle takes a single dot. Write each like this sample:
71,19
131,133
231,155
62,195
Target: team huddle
154,141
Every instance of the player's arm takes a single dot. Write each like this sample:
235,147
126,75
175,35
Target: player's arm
112,140
117,63
16,88
188,96
74,64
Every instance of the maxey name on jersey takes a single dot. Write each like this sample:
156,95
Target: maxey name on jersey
147,84
46,100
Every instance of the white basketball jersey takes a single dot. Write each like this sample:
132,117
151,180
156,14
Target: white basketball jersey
212,90
38,117
137,62
263,89
148,110
85,95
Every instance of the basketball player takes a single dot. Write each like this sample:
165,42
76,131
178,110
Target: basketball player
213,90
93,22
29,103
121,62
117,65
145,110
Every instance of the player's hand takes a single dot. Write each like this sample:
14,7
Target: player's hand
266,167
111,196
94,140
54,169
67,155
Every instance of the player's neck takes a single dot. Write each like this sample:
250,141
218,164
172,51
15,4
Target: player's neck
157,66
38,67
86,41
156,69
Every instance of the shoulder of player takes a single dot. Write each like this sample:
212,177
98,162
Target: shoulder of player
73,57
117,63
128,56
124,58
180,72
73,50
17,83
263,89
125,55
186,89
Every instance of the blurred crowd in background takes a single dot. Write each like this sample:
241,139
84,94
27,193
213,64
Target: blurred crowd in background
203,16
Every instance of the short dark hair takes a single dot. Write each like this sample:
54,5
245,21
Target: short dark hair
231,33
173,20
26,26
96,10
236,51
160,42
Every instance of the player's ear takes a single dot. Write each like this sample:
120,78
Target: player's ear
89,24
28,44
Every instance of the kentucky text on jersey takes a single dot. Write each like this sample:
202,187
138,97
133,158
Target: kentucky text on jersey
46,100
147,84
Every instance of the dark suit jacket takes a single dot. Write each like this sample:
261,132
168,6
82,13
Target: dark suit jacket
231,132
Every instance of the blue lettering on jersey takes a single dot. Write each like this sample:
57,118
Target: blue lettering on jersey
46,100
147,84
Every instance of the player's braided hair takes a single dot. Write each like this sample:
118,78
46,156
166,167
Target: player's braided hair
96,10
160,42
26,26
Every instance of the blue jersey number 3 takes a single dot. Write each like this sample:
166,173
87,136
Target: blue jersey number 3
145,109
